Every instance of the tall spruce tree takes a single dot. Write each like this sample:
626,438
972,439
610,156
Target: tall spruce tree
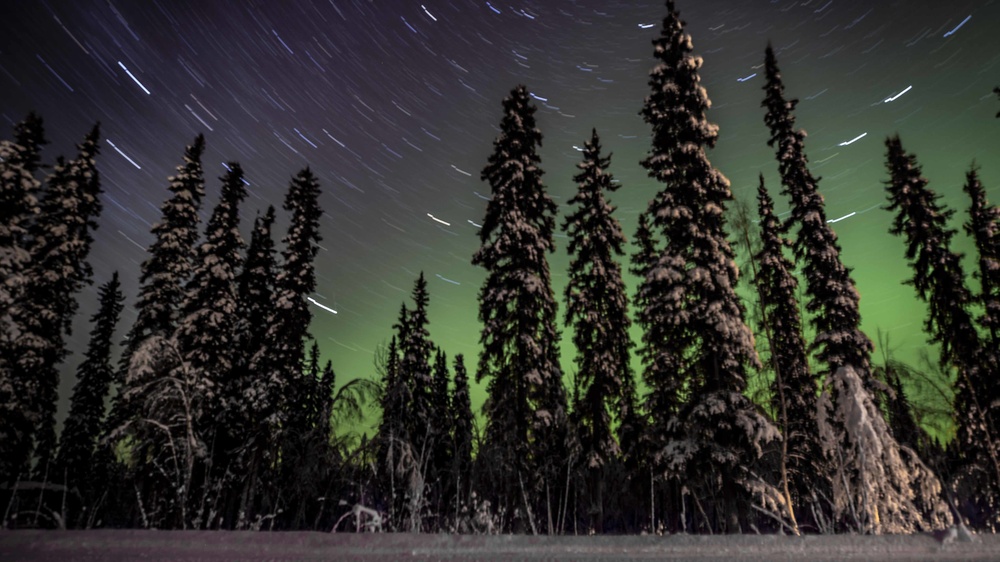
279,386
984,228
393,396
664,398
152,411
162,279
238,424
255,291
313,373
526,405
19,205
327,384
416,351
939,280
60,243
442,451
696,336
86,407
833,298
441,403
207,329
794,390
255,285
462,429
207,334
870,476
597,308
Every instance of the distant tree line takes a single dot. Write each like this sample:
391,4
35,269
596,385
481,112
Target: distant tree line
219,415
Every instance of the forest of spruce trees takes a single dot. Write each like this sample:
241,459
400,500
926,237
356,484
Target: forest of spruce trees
217,413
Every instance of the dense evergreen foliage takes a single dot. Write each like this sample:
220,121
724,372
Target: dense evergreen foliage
19,203
794,388
525,435
939,280
699,343
224,415
75,459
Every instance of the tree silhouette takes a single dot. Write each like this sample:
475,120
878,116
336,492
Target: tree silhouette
526,408
697,340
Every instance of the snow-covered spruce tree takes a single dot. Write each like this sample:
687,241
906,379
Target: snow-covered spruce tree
869,483
696,339
597,310
19,197
255,290
597,307
275,396
832,295
163,276
206,331
984,228
152,404
86,406
525,435
60,243
793,392
939,280
207,335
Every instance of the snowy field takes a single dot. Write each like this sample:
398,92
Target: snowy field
64,546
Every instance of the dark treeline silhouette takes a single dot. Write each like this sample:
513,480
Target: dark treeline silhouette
219,413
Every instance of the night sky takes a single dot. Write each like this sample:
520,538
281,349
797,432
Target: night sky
395,106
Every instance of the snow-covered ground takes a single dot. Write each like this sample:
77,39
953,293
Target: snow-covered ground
64,546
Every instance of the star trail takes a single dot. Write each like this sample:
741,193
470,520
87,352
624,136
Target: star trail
394,105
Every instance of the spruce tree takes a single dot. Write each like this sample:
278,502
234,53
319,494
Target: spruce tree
696,336
442,441
313,374
662,400
152,409
462,424
19,205
256,283
793,392
207,332
833,298
939,279
163,277
60,243
441,401
29,138
526,406
415,350
597,307
280,385
984,228
255,290
86,408
327,384
238,425
393,396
